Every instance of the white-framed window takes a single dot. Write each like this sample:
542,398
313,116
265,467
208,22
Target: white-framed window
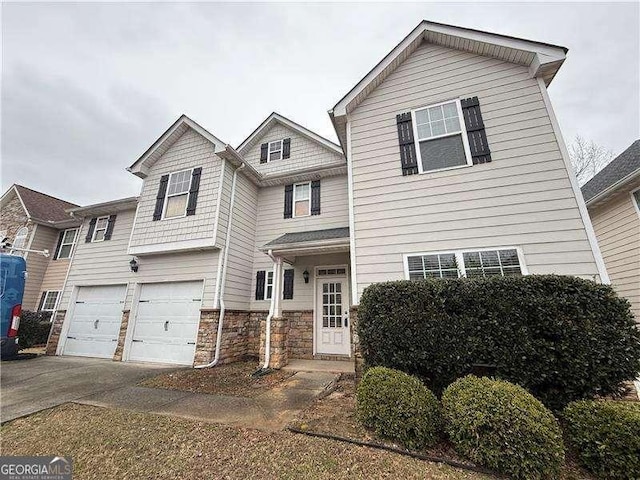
268,287
102,223
485,262
635,198
275,150
440,137
50,301
20,239
68,241
302,199
175,204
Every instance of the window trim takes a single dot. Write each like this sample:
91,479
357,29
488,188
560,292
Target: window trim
293,213
46,296
462,272
268,284
279,150
167,195
73,242
95,229
462,132
636,202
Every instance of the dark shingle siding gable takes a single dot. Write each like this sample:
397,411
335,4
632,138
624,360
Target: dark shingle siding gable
622,166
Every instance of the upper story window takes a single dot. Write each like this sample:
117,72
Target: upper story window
100,229
301,199
479,263
177,194
21,238
275,150
440,136
636,199
66,243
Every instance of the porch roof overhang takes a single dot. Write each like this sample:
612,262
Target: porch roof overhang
309,243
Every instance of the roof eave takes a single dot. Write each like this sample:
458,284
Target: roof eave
604,194
303,246
119,205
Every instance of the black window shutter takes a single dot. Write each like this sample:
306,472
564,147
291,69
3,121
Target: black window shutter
162,191
288,201
40,305
315,197
193,191
260,282
110,224
92,227
478,145
408,157
264,151
286,148
60,237
287,293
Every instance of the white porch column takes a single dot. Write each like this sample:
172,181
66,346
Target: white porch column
278,276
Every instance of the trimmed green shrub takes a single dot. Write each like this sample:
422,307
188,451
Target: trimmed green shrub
399,407
606,435
34,328
502,426
562,338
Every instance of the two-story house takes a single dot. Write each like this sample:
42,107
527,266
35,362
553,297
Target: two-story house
451,163
34,222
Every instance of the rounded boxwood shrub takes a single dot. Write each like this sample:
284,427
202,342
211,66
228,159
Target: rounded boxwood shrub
606,435
399,407
562,338
502,426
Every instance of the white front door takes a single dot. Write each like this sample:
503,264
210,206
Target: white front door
166,323
95,321
332,316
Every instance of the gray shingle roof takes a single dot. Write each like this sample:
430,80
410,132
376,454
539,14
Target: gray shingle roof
623,165
312,236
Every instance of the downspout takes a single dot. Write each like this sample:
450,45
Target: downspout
227,241
267,340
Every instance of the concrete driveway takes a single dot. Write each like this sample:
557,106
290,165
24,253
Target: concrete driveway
28,386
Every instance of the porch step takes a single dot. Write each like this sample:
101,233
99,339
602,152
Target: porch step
333,358
330,366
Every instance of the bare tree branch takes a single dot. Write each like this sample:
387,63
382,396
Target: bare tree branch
587,158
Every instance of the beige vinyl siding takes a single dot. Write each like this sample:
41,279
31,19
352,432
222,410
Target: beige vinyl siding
617,226
240,261
522,198
191,150
107,263
44,238
271,224
305,153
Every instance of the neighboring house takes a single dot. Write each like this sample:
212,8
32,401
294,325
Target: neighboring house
613,200
36,221
451,164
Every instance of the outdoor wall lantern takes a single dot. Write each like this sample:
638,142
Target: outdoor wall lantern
133,264
305,274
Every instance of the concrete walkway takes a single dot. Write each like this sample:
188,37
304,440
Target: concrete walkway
271,411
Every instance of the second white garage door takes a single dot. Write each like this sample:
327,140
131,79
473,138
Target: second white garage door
166,323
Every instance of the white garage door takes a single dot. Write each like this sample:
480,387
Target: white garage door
166,323
95,324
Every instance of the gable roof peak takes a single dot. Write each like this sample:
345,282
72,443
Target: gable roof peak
40,207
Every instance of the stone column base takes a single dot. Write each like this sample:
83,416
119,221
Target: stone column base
239,336
56,329
117,356
356,353
279,330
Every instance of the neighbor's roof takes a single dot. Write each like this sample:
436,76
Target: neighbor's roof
42,208
275,118
624,167
311,236
542,59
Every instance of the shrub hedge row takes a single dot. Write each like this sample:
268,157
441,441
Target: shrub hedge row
606,435
34,328
502,426
562,338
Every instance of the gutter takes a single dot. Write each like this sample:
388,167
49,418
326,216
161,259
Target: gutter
272,306
623,181
225,262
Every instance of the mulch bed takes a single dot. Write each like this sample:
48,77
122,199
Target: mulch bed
232,379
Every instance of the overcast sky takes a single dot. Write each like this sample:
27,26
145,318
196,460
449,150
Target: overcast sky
87,88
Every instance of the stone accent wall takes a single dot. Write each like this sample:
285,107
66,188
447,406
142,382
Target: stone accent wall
240,333
356,353
54,335
299,334
117,356
13,217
